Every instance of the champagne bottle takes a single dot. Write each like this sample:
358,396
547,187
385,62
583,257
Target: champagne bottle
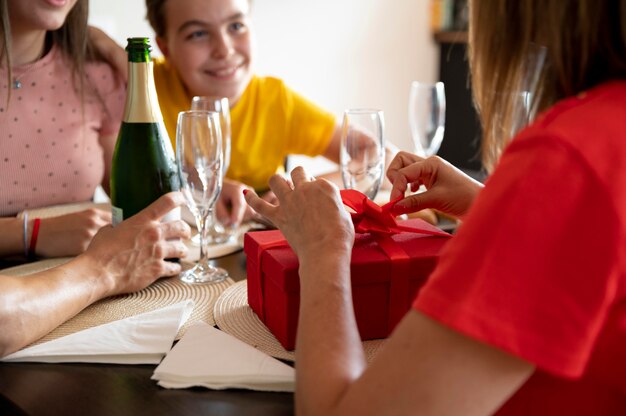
143,167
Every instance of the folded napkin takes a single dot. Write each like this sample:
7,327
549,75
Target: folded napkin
208,357
139,339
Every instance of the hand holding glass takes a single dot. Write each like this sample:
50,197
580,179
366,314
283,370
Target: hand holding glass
427,116
217,234
199,160
363,150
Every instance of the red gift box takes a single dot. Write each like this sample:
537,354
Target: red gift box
390,262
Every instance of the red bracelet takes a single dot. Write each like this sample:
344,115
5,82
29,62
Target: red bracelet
33,237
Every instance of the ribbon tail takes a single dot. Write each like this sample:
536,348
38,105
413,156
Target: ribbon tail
433,232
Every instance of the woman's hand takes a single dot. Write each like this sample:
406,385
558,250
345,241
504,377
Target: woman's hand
309,213
133,254
70,234
231,208
447,188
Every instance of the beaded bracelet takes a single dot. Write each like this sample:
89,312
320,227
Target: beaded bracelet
25,217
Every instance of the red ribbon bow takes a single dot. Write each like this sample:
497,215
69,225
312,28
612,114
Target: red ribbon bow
370,217
381,224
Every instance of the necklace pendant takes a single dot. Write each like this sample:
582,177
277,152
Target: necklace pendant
17,84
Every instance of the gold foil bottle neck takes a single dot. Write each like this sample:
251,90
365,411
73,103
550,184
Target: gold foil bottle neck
142,104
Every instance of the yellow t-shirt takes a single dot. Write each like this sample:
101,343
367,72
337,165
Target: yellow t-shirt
268,123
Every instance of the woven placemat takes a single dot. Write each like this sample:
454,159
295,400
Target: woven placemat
235,317
163,292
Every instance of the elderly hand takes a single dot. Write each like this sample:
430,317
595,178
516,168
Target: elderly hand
309,213
447,188
132,255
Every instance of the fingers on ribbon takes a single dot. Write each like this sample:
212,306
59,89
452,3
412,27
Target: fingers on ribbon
401,160
409,204
399,184
414,175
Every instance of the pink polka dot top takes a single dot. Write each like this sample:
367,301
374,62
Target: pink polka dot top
55,149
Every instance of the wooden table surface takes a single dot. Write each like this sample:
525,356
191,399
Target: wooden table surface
107,389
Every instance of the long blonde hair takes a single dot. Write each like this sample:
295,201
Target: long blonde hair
585,43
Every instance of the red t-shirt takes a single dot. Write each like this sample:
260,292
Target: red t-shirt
539,266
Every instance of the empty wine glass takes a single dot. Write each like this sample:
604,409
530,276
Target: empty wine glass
427,116
363,150
521,112
199,160
217,233
525,105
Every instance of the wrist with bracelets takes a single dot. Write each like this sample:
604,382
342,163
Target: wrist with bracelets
29,249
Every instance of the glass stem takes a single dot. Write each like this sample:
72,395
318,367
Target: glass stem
215,228
204,234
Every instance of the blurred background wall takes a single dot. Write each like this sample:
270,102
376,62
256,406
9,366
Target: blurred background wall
339,53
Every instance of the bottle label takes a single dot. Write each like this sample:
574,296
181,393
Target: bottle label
117,215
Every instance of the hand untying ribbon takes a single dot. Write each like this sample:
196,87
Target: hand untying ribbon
381,224
370,217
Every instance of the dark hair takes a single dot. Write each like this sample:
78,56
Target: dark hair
585,43
156,15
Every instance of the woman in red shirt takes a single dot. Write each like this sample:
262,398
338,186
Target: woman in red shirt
526,311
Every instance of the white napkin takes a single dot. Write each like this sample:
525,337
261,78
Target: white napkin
139,339
208,357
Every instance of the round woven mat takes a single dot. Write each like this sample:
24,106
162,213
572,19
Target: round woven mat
163,292
235,317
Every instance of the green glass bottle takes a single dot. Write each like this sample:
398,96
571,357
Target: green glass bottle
143,167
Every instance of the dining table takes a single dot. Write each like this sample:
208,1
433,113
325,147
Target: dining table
113,389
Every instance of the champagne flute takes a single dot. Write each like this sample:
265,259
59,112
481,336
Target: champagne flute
427,116
363,150
525,106
217,233
199,160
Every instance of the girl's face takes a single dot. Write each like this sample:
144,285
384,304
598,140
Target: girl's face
36,15
209,42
